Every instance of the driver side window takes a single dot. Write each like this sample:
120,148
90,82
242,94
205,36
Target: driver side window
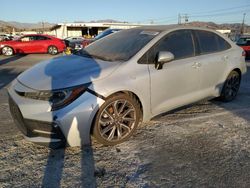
180,43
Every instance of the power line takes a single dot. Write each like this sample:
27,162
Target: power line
165,21
220,14
222,10
162,19
185,17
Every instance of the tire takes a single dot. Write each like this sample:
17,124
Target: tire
117,119
52,50
7,51
231,87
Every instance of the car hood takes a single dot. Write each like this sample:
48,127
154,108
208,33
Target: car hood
66,71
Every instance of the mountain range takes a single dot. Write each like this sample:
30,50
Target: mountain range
24,26
18,26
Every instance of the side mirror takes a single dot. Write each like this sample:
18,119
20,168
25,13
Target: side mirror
163,57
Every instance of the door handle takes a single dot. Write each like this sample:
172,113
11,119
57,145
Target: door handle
225,58
196,65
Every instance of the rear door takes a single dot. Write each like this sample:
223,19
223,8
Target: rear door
212,56
40,44
177,83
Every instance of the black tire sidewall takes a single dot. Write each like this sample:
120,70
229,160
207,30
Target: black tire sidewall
224,96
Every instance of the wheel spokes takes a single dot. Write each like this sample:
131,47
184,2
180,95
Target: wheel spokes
122,107
117,120
112,133
107,129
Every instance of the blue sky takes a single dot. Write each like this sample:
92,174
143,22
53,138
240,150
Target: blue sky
136,11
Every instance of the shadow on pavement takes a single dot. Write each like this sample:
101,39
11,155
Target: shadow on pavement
13,58
53,173
7,75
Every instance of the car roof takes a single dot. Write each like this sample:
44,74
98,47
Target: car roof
37,35
161,28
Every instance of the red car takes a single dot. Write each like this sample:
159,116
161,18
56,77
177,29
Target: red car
35,43
244,42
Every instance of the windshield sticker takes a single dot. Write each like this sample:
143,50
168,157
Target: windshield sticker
149,33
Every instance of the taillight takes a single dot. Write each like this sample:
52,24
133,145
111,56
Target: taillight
244,53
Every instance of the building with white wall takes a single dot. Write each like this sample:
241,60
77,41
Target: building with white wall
64,30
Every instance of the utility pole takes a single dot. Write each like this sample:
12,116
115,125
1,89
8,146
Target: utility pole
42,27
179,19
184,17
243,24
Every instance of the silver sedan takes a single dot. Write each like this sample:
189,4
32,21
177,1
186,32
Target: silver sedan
108,88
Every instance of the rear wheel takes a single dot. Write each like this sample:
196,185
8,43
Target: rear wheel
231,87
8,51
117,119
52,50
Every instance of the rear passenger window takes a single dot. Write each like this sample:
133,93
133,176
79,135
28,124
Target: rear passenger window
223,45
210,42
41,38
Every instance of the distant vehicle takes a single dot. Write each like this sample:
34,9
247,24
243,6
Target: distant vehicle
244,42
5,37
35,43
74,43
112,85
106,32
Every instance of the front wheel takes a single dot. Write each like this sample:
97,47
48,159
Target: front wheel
231,87
117,119
7,51
52,50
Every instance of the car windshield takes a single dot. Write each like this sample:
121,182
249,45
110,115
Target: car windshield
242,41
120,46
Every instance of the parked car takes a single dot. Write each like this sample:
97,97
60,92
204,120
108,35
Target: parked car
244,42
105,33
112,85
36,43
74,43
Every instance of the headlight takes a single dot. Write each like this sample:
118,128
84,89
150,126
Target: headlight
1,45
57,98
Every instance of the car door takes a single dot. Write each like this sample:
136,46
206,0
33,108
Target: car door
25,44
177,83
213,58
41,44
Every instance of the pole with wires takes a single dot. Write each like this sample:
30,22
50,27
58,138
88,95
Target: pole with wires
243,24
184,17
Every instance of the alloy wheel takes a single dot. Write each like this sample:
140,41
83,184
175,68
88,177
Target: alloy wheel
117,119
7,51
53,50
